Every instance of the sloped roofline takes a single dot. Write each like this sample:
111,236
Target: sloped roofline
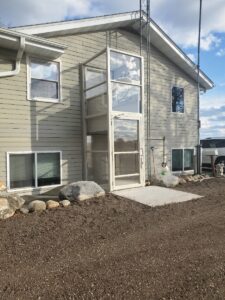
158,37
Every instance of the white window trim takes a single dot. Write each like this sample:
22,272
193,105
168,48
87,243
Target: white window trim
41,99
182,171
35,158
171,99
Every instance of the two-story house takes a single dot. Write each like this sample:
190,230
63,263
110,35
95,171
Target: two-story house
82,100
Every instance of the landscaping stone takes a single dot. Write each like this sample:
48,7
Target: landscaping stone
2,186
52,204
9,203
37,205
65,203
24,210
81,190
5,210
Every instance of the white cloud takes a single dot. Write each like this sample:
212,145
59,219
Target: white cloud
179,19
210,41
221,52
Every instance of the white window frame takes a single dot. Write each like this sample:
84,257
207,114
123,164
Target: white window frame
171,96
35,166
43,99
182,171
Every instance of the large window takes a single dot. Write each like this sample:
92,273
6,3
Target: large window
125,72
182,160
32,170
177,99
44,80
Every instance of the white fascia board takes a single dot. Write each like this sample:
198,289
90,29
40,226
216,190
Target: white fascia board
72,26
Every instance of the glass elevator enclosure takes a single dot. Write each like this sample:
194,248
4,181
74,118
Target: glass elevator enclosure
113,119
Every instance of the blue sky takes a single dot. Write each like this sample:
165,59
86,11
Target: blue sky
178,18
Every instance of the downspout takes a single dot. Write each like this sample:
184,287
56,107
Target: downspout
17,62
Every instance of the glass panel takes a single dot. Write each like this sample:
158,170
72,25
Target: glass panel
97,105
97,125
98,142
125,135
22,170
94,77
126,164
127,180
44,89
126,98
97,167
97,91
177,99
188,159
125,67
48,168
44,70
177,160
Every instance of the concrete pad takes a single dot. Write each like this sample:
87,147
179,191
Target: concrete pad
156,195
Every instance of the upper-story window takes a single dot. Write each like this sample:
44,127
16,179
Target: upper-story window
44,80
177,99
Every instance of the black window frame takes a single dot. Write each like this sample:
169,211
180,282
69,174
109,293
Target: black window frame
174,102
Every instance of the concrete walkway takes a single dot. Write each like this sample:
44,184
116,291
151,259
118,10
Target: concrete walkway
156,195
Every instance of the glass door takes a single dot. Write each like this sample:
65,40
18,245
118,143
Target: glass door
128,158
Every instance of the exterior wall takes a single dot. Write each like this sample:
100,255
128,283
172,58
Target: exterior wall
33,126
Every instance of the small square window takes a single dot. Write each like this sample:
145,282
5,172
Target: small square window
44,80
32,170
182,160
177,99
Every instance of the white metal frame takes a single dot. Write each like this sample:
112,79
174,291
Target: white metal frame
129,116
35,166
110,117
42,99
182,171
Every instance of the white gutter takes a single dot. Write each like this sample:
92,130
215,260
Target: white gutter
17,62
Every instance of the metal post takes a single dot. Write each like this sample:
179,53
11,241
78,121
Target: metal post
198,88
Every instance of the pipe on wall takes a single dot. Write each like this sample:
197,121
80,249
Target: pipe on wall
17,62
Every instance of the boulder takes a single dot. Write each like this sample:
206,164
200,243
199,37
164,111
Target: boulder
65,203
5,210
81,190
9,203
2,186
37,205
52,204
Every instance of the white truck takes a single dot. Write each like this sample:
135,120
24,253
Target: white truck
212,147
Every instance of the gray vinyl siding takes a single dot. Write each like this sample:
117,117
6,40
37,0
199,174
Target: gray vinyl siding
59,124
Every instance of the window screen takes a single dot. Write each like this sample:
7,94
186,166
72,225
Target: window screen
22,170
44,79
188,159
48,168
177,99
177,160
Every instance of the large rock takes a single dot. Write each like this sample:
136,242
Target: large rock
81,190
9,203
37,205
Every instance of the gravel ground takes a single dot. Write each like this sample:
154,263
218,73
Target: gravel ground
113,248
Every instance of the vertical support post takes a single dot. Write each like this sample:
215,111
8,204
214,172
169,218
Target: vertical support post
83,123
198,86
110,144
